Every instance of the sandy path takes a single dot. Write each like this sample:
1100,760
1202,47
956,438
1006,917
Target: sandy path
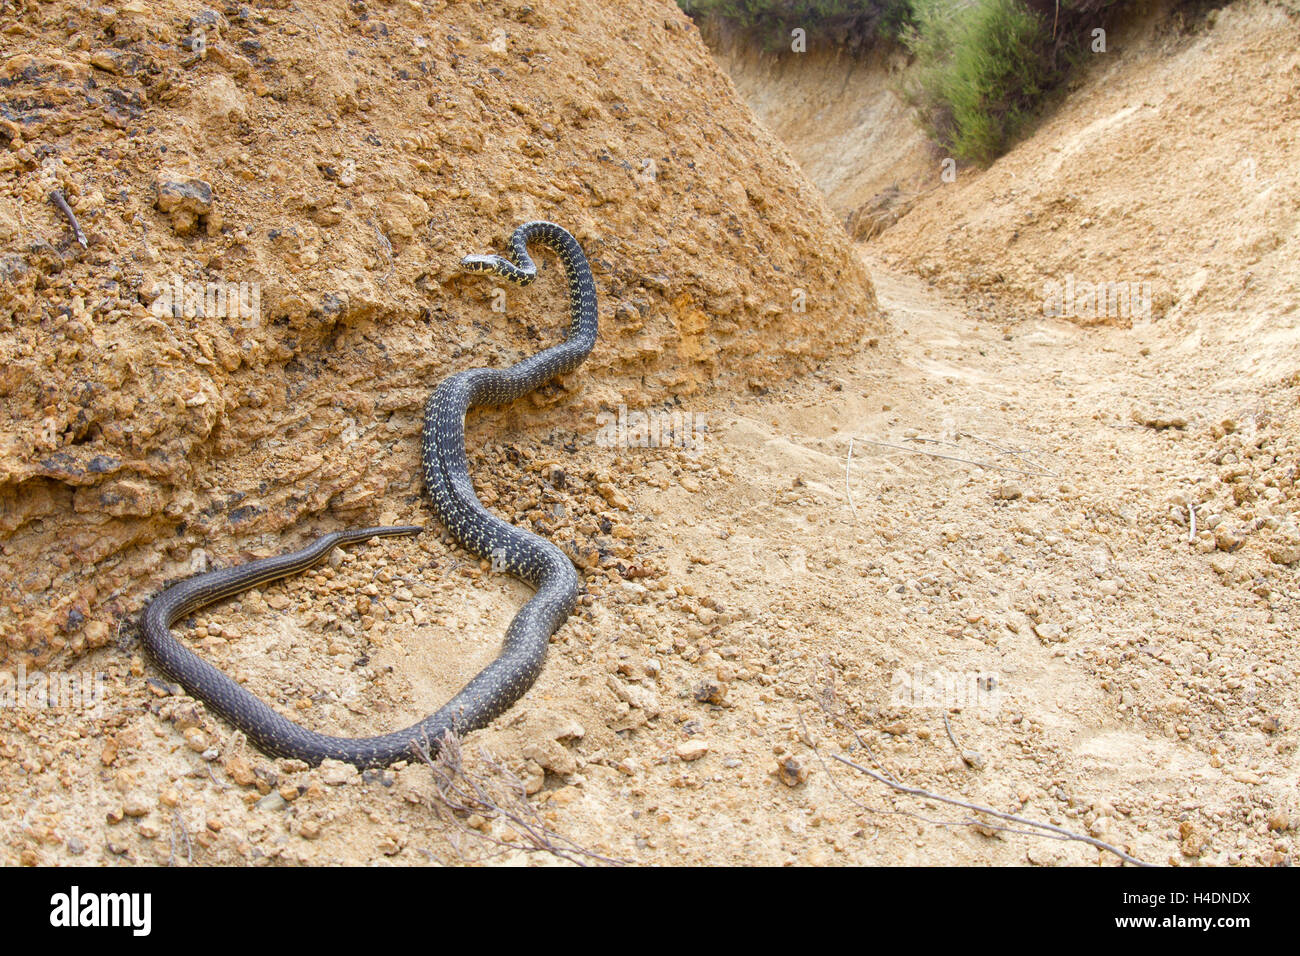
1136,696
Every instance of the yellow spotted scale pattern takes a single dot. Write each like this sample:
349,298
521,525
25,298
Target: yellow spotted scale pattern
446,476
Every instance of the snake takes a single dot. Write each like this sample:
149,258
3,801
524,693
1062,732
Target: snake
532,559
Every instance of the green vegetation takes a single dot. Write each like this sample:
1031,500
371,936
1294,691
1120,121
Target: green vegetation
983,67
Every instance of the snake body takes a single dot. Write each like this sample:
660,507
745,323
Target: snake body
532,559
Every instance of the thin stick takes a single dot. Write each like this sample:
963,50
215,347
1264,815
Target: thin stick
848,462
461,792
917,816
1191,513
1062,835
1005,451
1024,454
58,199
968,461
858,803
177,819
961,752
976,808
948,727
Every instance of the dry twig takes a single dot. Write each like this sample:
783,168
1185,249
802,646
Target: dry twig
61,201
1048,830
497,794
179,821
970,758
967,461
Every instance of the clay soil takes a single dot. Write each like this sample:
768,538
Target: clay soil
1029,562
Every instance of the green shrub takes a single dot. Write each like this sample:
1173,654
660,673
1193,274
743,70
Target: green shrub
982,67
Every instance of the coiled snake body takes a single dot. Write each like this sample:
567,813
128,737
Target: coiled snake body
446,475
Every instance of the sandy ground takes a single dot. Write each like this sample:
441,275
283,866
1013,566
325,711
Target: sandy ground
1095,669
1093,627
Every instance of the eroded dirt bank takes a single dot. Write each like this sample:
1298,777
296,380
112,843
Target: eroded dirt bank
1165,166
840,115
323,169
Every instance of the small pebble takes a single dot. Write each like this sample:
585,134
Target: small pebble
689,750
336,773
136,804
1007,491
791,772
272,801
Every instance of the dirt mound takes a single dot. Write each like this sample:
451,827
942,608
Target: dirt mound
275,200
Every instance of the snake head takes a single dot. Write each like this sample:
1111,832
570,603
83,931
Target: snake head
482,263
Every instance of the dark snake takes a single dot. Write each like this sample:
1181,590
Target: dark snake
528,557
